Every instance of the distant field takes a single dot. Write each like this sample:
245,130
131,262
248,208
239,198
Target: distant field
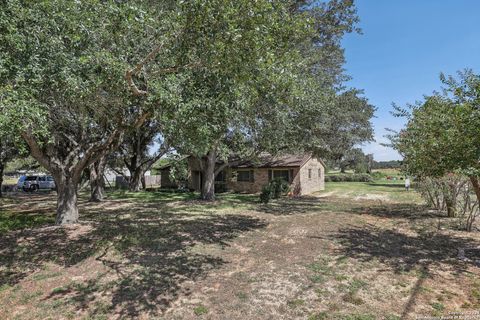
390,172
377,175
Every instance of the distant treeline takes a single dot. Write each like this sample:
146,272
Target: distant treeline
393,164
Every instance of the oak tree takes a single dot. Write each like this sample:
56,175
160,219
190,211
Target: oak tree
63,67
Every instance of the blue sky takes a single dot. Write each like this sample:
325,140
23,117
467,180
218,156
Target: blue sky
404,46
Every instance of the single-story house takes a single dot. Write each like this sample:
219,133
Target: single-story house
306,174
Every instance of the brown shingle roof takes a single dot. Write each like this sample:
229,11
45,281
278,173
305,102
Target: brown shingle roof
264,161
268,161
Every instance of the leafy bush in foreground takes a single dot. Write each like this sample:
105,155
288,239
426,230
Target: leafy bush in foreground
274,189
454,194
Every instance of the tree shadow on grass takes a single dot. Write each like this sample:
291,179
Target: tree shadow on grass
398,210
11,221
299,205
402,252
165,196
26,210
152,257
150,196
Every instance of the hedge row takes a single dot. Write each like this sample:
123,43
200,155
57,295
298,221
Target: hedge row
348,178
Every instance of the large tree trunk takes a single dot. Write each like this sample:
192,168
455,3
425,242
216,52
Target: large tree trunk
135,184
208,187
67,169
138,169
476,186
67,210
97,182
1,178
137,174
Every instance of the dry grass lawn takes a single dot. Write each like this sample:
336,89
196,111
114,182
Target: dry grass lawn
354,251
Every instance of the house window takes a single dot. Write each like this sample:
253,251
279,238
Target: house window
319,173
245,176
309,173
220,177
282,174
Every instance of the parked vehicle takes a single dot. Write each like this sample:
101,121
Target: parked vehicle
20,182
34,183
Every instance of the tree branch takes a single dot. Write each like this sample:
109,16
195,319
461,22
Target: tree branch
141,119
476,186
97,151
164,149
129,74
138,67
221,167
36,150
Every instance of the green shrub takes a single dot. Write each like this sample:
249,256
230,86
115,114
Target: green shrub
274,189
377,175
357,177
266,194
360,168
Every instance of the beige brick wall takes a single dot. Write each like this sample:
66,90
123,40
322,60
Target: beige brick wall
316,182
301,184
296,186
261,179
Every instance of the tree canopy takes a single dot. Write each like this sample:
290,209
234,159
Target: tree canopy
283,103
217,77
442,133
62,67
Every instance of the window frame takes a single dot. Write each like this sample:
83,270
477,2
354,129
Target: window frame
277,170
221,177
251,175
